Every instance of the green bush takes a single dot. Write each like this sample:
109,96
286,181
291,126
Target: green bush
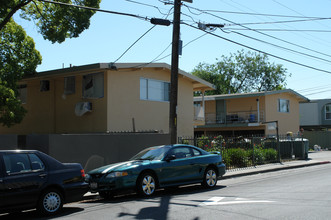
238,157
270,155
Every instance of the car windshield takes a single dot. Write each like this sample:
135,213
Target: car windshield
151,154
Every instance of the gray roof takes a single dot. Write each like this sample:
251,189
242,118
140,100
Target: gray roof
252,94
198,83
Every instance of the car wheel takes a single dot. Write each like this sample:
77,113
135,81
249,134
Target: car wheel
146,184
106,195
210,178
50,202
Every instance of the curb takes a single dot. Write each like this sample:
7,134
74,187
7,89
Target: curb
274,169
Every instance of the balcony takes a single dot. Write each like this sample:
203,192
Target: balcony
234,118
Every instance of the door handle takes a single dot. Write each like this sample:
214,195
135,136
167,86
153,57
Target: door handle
43,175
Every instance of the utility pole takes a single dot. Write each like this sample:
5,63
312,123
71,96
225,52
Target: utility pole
174,72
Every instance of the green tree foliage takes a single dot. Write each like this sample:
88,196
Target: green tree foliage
18,56
242,72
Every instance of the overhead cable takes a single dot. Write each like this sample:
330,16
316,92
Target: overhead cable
260,51
95,9
315,51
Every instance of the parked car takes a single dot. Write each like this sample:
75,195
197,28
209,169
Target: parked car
31,179
158,167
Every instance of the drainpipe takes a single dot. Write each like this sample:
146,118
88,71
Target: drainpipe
258,110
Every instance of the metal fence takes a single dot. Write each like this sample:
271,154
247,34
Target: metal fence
248,151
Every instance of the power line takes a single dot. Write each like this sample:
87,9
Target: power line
280,22
260,32
260,51
274,29
134,43
259,14
284,48
153,6
94,9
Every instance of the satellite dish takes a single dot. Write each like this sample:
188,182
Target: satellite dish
82,107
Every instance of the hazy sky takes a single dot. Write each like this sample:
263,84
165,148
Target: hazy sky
301,33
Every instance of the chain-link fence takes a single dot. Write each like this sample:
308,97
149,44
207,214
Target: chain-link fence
247,151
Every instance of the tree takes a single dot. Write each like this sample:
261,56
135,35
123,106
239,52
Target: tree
18,58
242,72
55,22
18,55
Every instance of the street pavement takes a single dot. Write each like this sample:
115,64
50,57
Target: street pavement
314,159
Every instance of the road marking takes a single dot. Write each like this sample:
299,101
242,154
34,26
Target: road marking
219,201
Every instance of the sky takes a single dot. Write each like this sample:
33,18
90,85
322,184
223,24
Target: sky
299,32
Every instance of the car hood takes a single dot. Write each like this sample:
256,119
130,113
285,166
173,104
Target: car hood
118,167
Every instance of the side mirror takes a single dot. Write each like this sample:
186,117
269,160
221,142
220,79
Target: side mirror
170,157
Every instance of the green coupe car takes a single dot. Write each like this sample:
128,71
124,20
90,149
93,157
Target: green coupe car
158,167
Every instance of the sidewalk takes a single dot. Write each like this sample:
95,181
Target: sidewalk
314,158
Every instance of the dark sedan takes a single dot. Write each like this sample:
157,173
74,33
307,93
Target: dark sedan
31,179
158,167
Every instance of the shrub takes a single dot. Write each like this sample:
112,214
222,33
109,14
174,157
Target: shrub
270,155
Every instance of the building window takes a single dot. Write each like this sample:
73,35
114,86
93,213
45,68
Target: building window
93,85
44,85
22,92
154,90
69,85
283,105
328,112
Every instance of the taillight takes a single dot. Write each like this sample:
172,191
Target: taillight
82,173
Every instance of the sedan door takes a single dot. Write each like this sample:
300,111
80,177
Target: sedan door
181,169
24,177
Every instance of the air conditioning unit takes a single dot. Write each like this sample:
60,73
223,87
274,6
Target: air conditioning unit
83,107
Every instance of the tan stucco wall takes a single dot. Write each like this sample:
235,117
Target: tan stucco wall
50,112
287,122
148,115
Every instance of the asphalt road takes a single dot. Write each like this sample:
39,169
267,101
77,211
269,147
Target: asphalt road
303,193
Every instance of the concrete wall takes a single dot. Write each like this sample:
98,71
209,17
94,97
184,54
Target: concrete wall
90,150
8,142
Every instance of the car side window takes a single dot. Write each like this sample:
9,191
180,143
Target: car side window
196,152
36,163
181,152
16,163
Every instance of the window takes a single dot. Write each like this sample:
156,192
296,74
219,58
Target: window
44,85
69,85
16,163
196,152
93,85
283,105
328,112
154,90
22,91
181,152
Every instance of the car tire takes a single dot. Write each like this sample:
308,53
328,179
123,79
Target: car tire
146,184
209,178
106,195
50,202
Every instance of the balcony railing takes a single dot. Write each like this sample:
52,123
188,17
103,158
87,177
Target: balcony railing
234,117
